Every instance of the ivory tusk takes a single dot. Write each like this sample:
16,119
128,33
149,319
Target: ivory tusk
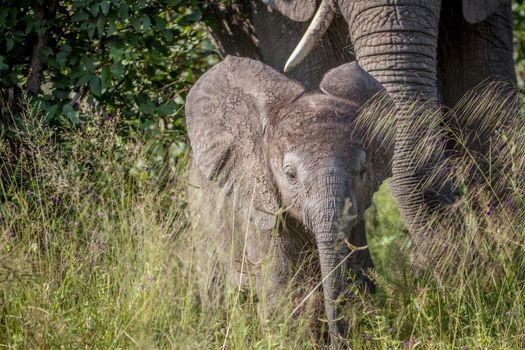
322,20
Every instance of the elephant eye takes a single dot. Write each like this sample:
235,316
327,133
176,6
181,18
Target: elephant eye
291,174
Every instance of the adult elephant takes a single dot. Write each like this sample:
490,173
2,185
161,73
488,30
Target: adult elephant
432,50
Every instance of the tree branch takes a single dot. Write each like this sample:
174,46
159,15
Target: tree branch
35,75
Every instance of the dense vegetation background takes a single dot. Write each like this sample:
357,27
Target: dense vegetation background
92,208
84,59
131,60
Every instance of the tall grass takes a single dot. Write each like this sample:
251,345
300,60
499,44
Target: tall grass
92,256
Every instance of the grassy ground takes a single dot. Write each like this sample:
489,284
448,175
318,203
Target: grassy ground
90,257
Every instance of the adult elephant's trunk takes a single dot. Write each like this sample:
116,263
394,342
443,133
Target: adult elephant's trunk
396,42
331,213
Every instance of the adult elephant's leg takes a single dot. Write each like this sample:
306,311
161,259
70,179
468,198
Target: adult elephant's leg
469,54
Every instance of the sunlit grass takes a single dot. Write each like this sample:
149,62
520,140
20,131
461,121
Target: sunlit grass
93,255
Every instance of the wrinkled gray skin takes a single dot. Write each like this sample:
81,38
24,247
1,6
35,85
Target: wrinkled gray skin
434,50
261,145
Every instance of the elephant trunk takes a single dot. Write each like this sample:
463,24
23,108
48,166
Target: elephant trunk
396,42
334,272
397,45
331,214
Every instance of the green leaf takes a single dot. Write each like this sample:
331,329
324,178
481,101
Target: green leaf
51,112
112,28
71,114
66,48
116,70
123,12
160,23
192,18
147,107
137,22
61,94
105,77
95,85
148,124
132,39
62,58
88,63
115,52
146,23
167,108
142,24
80,16
9,43
91,30
13,76
83,77
3,16
46,51
29,28
101,23
95,9
3,65
168,35
104,6
73,59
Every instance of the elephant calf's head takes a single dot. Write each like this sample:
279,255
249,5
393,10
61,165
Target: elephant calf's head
318,160
252,126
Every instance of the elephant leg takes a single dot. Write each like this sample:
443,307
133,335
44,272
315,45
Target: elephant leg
361,260
469,54
280,275
210,266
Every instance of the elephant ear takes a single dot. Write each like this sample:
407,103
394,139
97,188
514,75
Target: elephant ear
475,11
352,83
297,10
226,112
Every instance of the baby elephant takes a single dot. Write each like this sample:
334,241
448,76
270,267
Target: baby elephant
278,172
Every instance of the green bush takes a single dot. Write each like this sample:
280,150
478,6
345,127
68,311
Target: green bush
126,59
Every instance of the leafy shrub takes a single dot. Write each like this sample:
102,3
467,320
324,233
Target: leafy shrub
113,58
